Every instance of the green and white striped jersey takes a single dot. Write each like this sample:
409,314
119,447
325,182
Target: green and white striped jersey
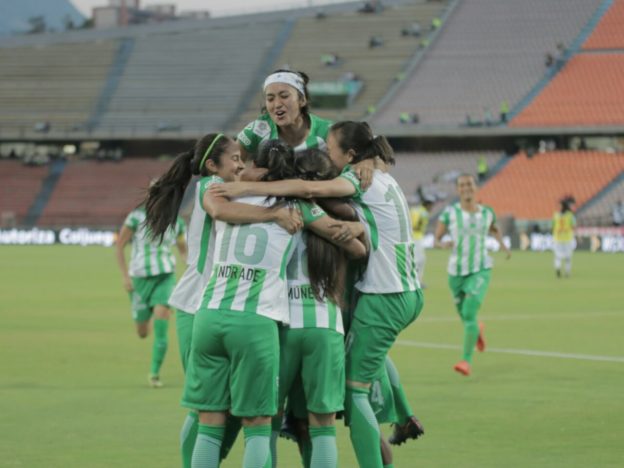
149,257
305,310
200,238
263,128
249,271
469,232
384,211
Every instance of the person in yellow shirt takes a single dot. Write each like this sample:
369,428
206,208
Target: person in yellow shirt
564,242
420,221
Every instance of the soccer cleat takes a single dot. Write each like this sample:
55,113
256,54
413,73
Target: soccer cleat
481,339
462,367
412,429
154,381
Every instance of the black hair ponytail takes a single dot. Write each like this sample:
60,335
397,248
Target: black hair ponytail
358,136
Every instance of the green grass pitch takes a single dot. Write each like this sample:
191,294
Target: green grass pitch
547,393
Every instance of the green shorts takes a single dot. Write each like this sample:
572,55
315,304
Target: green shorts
381,398
149,292
377,321
475,285
233,364
184,329
317,355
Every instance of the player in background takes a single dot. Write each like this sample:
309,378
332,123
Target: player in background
150,279
564,242
231,369
390,282
469,267
215,158
420,220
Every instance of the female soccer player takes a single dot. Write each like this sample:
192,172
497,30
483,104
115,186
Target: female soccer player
150,279
469,267
215,158
231,369
390,292
564,242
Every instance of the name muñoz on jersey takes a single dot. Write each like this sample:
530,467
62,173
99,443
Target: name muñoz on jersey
384,211
200,238
150,257
469,231
250,260
305,310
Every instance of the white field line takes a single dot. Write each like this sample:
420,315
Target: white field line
502,318
521,352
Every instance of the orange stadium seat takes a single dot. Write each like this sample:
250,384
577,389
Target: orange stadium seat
530,188
609,34
19,185
587,92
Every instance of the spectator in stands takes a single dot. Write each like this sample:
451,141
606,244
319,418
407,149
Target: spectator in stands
409,118
504,111
413,29
329,60
149,280
549,59
617,213
482,169
436,23
373,6
375,41
487,117
564,242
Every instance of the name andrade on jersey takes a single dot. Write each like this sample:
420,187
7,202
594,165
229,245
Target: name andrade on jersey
239,272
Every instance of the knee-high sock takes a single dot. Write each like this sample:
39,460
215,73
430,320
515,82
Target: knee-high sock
402,406
276,425
557,263
257,447
207,446
470,309
159,348
305,447
324,450
364,428
188,436
232,428
568,265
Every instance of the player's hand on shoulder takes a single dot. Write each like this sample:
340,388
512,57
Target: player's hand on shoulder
289,218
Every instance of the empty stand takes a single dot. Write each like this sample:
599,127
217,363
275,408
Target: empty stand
19,185
600,213
489,51
57,84
347,35
91,193
589,91
531,188
609,34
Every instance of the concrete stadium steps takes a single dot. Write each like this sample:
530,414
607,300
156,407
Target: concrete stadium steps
91,193
488,51
19,186
609,34
58,84
600,212
347,35
192,78
589,91
531,188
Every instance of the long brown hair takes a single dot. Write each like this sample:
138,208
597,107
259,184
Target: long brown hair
358,136
164,196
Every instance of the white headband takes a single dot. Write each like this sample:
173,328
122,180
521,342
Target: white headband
289,78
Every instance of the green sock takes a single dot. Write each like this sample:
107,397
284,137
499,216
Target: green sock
257,447
232,428
207,447
389,466
470,308
188,436
402,406
364,429
159,348
306,452
324,450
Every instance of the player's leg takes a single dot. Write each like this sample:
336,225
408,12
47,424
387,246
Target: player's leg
406,425
557,250
206,386
188,432
162,287
253,381
323,377
372,334
141,311
569,250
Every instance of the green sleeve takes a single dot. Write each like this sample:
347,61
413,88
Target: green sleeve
248,139
493,214
132,221
206,182
310,212
349,175
445,217
180,227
